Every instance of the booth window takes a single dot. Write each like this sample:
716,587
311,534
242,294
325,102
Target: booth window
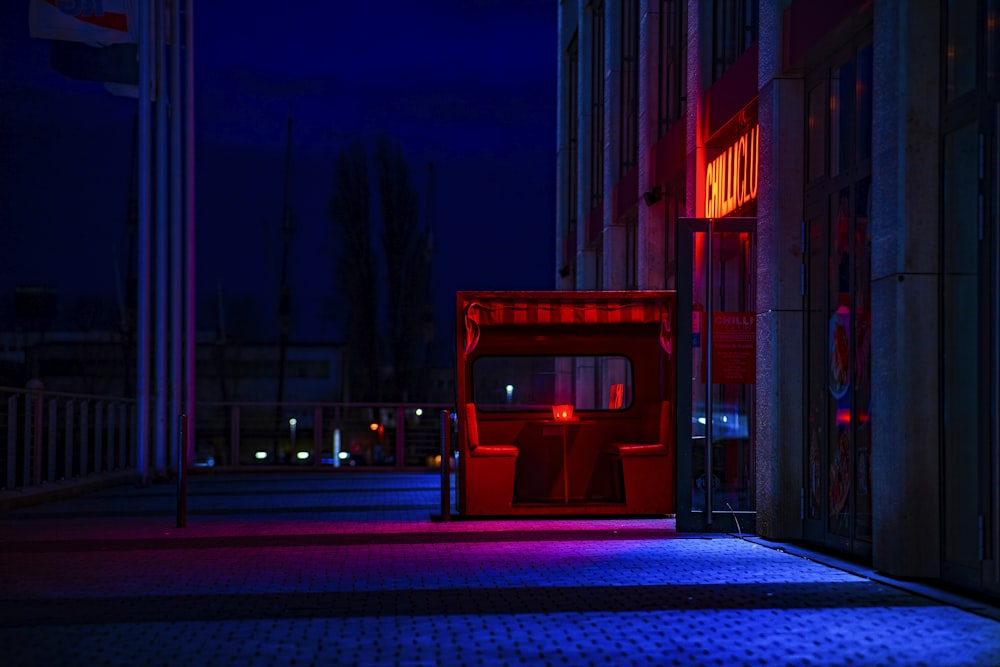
537,383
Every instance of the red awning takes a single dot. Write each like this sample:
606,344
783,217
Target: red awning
577,308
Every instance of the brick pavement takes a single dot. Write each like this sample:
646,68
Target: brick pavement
348,569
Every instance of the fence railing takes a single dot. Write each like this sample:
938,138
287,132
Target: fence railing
54,436
51,436
366,435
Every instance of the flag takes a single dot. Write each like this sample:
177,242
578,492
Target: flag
95,22
116,63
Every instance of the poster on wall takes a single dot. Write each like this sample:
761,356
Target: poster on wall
840,344
734,347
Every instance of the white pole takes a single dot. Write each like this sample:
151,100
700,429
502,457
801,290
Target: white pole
160,340
176,231
189,287
142,297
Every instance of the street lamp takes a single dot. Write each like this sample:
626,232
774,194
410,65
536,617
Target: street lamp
510,393
291,429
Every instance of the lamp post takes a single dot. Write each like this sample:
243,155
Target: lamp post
510,393
291,429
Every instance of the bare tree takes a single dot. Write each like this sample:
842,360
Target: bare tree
403,244
351,217
91,312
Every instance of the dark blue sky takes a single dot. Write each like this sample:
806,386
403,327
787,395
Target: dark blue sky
469,85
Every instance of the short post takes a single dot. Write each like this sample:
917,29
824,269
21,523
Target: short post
400,437
446,465
182,471
51,458
37,402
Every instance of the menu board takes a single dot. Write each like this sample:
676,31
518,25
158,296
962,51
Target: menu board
734,347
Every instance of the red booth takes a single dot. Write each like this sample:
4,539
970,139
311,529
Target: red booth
565,403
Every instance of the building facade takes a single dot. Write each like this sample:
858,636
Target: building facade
819,180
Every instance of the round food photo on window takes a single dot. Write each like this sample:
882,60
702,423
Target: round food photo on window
840,348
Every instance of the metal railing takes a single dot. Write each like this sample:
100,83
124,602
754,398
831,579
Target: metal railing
54,436
362,435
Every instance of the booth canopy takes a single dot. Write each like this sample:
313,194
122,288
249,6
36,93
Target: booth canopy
486,309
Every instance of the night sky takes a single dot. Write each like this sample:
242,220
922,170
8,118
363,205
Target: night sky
469,85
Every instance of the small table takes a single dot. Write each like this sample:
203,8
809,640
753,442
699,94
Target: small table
563,425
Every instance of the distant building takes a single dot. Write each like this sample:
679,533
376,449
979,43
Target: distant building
830,170
103,363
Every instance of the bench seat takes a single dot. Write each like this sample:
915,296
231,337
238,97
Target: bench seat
638,449
493,450
641,470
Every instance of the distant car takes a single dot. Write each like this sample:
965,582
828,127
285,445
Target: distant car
728,423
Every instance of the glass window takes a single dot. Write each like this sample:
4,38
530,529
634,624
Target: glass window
572,143
842,99
597,107
861,368
961,218
961,54
838,301
960,341
818,317
632,249
541,382
863,92
672,63
969,239
993,45
735,30
629,124
839,354
816,130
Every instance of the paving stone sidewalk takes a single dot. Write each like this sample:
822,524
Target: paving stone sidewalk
350,569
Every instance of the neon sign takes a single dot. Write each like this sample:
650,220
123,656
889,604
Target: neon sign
731,178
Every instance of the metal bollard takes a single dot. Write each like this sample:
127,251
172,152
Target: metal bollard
182,471
446,465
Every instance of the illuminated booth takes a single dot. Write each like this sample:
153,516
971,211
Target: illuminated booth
565,403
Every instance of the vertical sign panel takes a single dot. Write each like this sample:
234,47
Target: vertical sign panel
734,348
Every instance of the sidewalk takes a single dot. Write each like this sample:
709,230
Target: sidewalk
349,569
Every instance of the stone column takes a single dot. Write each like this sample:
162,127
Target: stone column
652,246
780,377
904,279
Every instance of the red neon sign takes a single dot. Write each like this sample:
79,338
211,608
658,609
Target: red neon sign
731,178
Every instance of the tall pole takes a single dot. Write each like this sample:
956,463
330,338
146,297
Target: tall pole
189,284
160,340
142,296
709,408
176,233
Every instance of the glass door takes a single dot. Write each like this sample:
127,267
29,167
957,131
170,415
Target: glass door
716,373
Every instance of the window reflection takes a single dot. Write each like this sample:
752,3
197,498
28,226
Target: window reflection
539,382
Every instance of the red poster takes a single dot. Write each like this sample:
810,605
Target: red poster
734,348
